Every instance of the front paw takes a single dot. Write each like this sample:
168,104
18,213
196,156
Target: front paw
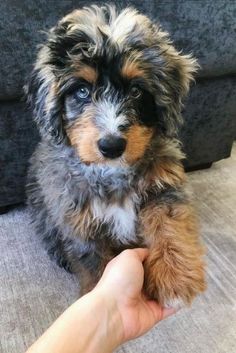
173,282
61,259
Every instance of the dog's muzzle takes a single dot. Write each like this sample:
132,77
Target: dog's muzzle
112,146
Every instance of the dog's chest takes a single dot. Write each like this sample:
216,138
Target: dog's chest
120,218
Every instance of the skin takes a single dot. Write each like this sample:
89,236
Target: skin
114,312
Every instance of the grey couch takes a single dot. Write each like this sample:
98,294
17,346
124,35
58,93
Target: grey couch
203,27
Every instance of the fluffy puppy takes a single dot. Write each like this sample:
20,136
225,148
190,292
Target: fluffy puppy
107,175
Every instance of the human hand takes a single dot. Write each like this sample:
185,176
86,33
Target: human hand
114,312
121,284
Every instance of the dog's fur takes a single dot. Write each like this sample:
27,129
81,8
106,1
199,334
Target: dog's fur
87,207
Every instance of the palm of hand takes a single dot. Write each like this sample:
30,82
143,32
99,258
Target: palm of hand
123,279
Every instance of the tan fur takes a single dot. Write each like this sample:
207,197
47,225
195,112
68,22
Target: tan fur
174,268
167,169
84,135
166,172
138,138
86,72
131,68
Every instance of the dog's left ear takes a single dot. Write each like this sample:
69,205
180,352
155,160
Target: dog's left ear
178,72
41,92
181,70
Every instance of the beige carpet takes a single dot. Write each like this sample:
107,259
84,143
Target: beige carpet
34,291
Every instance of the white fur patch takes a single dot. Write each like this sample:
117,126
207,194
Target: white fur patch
176,303
107,117
125,23
120,218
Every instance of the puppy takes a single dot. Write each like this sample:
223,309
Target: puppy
107,92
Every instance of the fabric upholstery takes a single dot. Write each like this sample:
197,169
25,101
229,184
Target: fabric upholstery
209,121
18,137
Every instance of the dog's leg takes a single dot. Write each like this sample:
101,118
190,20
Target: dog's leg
90,275
174,270
88,262
57,248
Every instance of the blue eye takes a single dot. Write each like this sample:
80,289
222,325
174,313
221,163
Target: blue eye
83,92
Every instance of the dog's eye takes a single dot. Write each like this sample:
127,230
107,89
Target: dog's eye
83,92
124,127
135,92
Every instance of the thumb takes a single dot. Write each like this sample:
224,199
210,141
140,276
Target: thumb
159,312
142,253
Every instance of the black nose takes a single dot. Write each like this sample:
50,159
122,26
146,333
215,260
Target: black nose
112,146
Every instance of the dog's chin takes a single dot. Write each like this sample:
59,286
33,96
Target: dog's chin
120,162
116,163
106,162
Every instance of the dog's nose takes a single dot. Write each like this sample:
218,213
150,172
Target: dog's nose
112,146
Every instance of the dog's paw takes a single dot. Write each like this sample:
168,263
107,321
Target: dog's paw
173,285
66,264
60,259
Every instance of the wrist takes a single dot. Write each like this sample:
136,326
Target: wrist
102,320
112,327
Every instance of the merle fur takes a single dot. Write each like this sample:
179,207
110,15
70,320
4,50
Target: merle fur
58,182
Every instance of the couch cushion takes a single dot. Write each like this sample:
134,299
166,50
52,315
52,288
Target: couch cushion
209,121
18,137
204,27
200,26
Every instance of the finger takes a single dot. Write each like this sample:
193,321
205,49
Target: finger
142,253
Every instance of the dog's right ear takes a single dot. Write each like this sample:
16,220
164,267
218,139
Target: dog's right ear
42,97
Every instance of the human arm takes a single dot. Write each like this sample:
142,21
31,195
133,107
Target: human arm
114,312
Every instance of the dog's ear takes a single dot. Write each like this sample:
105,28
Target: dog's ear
181,70
42,90
42,97
173,80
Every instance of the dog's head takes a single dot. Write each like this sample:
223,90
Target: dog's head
108,84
